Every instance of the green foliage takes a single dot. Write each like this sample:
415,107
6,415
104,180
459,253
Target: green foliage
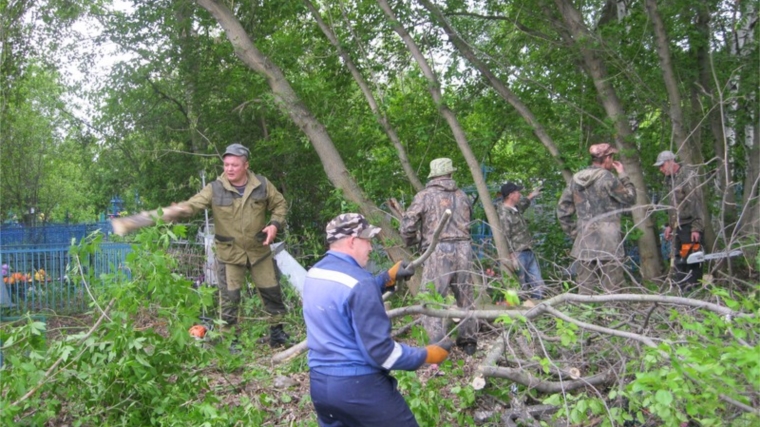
118,372
441,400
716,361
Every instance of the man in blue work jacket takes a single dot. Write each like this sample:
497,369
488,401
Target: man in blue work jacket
351,351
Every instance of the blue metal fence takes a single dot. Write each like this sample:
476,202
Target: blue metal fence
38,278
49,234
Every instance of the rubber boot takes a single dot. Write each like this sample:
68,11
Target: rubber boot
278,337
468,346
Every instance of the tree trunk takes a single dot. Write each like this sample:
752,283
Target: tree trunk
291,105
686,148
748,227
715,102
683,147
500,88
456,129
651,266
749,221
186,36
379,115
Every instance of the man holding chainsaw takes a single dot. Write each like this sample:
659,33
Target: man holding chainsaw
351,351
240,202
685,225
449,265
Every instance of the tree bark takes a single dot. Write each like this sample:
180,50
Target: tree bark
381,118
290,104
501,88
686,148
651,266
459,134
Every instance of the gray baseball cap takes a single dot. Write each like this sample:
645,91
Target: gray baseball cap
664,157
237,150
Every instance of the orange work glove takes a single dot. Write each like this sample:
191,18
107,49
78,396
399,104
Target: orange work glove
198,331
399,272
438,352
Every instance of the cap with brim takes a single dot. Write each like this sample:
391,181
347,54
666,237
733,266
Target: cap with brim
601,150
350,224
237,150
509,188
664,157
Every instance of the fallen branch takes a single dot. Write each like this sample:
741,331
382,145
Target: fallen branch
545,307
527,379
433,243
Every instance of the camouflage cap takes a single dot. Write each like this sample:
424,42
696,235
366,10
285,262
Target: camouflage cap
664,157
350,224
601,150
237,150
440,167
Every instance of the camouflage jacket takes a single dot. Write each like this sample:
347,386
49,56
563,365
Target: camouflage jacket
237,219
427,209
514,227
597,198
685,199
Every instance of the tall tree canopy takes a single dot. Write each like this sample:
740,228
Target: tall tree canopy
515,90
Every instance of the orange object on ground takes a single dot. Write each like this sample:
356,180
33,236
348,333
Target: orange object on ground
687,248
198,331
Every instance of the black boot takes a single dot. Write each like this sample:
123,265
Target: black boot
278,337
469,347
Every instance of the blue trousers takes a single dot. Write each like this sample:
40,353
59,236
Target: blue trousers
530,274
364,400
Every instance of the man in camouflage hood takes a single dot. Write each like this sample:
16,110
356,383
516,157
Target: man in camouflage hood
597,199
685,215
449,264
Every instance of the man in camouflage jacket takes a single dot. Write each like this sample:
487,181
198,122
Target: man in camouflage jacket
240,201
450,263
684,216
519,239
597,199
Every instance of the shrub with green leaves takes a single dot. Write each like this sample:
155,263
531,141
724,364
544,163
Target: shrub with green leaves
120,371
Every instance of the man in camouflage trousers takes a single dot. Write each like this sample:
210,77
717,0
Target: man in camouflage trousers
685,225
597,199
519,239
449,264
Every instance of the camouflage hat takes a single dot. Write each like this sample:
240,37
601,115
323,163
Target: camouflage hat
237,150
350,224
600,150
509,188
664,157
440,167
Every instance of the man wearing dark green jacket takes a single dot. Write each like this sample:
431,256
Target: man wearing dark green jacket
240,202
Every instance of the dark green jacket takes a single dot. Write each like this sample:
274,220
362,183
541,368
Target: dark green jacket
237,219
514,227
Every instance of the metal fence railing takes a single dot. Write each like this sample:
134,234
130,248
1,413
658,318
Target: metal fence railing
39,278
49,234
